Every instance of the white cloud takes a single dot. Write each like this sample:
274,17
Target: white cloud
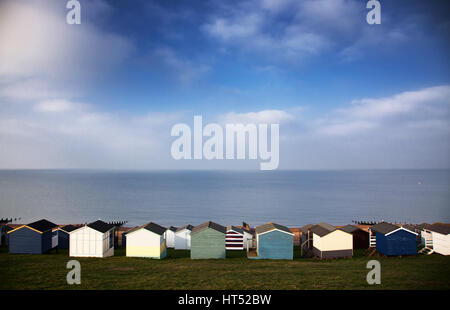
425,101
56,106
429,107
294,31
38,49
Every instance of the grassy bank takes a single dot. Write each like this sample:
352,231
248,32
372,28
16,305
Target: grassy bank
177,271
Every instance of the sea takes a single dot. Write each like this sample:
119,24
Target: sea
291,198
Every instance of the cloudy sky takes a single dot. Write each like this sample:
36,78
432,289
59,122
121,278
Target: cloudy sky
105,94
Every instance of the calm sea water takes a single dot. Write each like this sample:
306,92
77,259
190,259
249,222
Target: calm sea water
292,198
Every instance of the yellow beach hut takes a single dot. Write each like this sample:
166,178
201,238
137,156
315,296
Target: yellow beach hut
147,241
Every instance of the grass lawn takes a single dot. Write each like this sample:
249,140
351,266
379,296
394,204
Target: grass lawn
178,271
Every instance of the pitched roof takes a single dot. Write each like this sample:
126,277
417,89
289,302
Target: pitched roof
384,228
440,228
236,229
68,228
350,228
322,229
188,227
209,224
305,228
100,226
153,227
172,228
42,225
271,226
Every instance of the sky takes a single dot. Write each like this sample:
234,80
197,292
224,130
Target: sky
105,94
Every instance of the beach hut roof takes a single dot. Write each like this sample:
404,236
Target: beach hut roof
440,228
384,228
322,229
305,228
188,227
236,229
153,227
350,228
210,224
68,228
100,226
42,225
172,228
271,226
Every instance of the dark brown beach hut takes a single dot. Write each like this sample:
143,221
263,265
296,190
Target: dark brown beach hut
360,236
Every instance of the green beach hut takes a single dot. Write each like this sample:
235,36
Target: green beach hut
208,241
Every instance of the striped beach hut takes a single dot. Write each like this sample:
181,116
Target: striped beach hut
92,240
330,242
183,238
146,241
208,241
238,238
63,236
273,241
360,236
393,240
170,236
234,238
33,238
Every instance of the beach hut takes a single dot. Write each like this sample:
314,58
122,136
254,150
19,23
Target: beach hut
208,241
439,235
33,238
273,241
393,240
183,238
63,236
305,238
248,238
234,238
238,238
170,236
92,240
147,241
4,234
330,242
360,237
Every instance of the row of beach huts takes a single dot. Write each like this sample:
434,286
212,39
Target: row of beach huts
211,240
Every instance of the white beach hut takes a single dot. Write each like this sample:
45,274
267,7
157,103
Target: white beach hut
92,240
183,238
146,241
437,237
170,236
330,242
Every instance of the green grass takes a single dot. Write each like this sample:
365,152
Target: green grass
178,271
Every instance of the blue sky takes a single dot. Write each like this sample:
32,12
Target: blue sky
104,94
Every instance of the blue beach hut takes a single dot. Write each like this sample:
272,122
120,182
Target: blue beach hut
63,236
393,240
33,238
273,241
